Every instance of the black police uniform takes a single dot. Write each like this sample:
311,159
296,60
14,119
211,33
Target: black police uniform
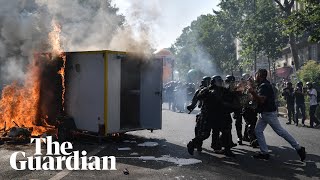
211,107
223,121
250,114
288,93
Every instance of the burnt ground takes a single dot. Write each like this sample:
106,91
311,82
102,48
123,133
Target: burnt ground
156,161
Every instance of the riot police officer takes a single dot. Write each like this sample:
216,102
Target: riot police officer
196,100
211,109
288,94
204,83
237,115
222,123
250,113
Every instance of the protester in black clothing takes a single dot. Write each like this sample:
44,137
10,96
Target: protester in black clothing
300,105
264,96
288,94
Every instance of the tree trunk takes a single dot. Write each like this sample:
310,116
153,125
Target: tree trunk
270,74
294,51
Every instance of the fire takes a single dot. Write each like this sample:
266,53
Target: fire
62,73
19,104
57,51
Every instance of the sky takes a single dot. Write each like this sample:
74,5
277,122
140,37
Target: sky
166,17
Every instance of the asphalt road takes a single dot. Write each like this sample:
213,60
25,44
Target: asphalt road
163,155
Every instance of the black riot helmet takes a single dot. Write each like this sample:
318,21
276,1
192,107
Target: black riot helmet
289,84
216,80
230,78
309,85
245,76
299,84
206,81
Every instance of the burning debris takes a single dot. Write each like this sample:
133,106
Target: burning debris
23,110
33,60
19,132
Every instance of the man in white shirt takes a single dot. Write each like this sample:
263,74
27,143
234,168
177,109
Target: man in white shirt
312,92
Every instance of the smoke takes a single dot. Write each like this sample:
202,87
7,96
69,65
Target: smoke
137,35
203,62
85,26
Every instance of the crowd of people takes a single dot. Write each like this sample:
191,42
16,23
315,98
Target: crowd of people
251,99
178,94
295,100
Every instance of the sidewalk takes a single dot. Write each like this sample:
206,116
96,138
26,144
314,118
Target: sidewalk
283,112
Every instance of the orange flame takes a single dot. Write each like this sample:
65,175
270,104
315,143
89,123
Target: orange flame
19,104
57,51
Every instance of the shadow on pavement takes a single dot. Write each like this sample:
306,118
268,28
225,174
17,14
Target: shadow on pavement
284,161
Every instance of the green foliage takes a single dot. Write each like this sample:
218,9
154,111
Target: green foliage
206,46
261,32
310,72
306,21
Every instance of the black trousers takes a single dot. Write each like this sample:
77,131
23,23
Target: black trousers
225,140
202,129
300,108
313,118
250,117
291,112
238,118
223,126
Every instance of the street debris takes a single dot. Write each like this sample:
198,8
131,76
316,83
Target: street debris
148,144
126,172
124,149
18,132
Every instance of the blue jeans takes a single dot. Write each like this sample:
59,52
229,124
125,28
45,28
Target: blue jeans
271,118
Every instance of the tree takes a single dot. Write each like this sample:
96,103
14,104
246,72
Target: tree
206,46
306,21
310,72
286,8
256,23
262,31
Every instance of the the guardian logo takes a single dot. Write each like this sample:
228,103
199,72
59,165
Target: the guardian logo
55,160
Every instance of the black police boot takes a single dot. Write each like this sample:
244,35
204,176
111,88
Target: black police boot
302,153
254,143
190,147
229,153
199,148
245,138
219,151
